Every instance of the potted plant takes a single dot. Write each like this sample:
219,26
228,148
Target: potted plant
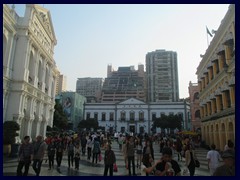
9,134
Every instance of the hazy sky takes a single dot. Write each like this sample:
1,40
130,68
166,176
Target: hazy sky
89,37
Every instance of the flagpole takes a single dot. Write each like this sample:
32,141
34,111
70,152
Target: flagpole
207,37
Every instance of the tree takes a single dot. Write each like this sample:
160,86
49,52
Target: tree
60,120
170,121
9,132
88,124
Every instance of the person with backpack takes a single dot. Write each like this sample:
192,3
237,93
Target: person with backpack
96,150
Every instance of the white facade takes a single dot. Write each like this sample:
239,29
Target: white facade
138,115
29,70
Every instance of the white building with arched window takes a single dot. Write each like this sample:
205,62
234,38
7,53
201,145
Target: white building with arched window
133,115
29,69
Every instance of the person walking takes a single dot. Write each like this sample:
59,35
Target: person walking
96,150
59,152
38,154
89,147
213,158
25,156
109,160
130,154
51,153
77,152
70,151
228,168
190,158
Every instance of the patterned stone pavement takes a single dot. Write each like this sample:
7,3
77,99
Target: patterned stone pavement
86,167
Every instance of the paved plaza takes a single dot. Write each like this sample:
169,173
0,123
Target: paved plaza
86,167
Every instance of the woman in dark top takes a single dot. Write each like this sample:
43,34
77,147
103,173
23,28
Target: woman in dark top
109,160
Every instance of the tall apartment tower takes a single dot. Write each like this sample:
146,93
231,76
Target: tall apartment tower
90,88
162,76
62,83
124,83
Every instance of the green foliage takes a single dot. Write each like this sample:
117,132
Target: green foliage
88,124
60,120
170,121
9,131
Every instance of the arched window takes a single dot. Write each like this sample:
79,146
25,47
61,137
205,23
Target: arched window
197,114
196,96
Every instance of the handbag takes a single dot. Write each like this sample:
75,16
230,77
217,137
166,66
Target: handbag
115,168
100,157
197,163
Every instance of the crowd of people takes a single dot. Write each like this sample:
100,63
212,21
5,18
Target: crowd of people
96,145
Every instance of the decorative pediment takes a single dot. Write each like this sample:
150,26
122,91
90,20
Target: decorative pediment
132,101
46,20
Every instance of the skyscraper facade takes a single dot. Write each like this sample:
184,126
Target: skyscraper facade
123,84
90,88
162,76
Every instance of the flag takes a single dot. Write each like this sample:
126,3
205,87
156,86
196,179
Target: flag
209,32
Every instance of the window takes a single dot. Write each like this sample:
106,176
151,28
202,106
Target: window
103,116
111,116
132,116
95,116
141,116
123,116
88,116
154,116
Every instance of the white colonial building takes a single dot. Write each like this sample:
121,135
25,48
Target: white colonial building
133,115
29,69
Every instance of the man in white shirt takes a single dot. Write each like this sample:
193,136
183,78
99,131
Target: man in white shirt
213,158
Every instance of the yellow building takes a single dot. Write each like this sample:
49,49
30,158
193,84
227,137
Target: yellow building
216,80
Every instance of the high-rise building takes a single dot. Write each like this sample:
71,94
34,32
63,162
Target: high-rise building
62,83
162,76
216,80
29,69
90,88
123,84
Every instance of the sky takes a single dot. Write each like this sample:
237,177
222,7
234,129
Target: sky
90,37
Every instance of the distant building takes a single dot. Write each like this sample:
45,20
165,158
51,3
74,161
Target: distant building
162,76
57,82
133,115
62,83
90,88
73,107
194,106
123,84
216,79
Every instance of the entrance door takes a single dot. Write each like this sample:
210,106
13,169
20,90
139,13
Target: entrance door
132,128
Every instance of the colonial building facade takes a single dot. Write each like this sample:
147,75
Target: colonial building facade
133,115
216,79
194,106
29,69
